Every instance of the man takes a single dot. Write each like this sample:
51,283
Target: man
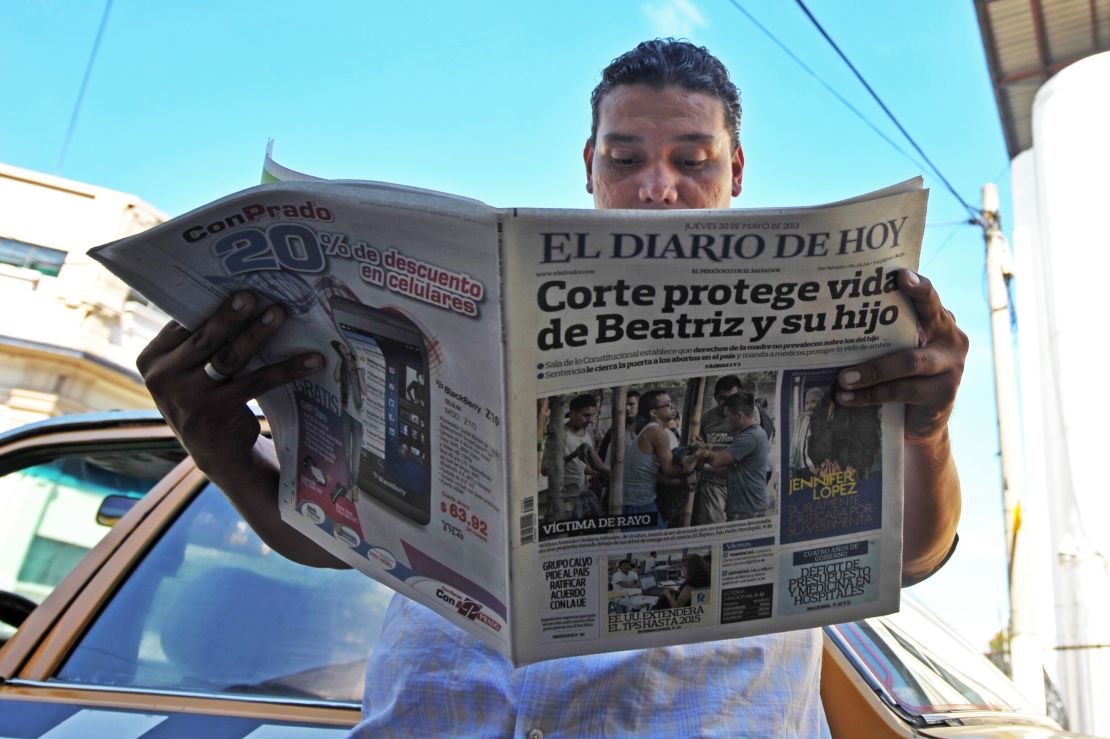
650,460
625,578
744,461
800,461
665,135
711,494
577,454
631,405
766,419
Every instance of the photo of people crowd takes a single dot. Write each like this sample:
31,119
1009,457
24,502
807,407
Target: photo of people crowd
659,455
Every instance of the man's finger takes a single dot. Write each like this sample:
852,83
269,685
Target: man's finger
172,335
930,312
265,379
918,362
921,391
235,354
228,320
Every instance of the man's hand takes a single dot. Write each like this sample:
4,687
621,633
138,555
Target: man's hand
924,378
211,416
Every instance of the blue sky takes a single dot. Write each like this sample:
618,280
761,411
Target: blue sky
490,100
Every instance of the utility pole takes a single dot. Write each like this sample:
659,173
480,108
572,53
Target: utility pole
1026,666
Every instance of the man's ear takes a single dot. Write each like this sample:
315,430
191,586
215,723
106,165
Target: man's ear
737,170
588,158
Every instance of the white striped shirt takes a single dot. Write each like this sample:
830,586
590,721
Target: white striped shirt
427,677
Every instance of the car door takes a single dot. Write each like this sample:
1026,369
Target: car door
181,622
55,478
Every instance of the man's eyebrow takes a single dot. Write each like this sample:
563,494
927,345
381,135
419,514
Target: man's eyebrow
621,138
696,137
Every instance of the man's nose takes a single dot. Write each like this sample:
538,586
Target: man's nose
659,185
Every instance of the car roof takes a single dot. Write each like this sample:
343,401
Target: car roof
91,422
84,422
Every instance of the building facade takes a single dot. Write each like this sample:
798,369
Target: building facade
69,330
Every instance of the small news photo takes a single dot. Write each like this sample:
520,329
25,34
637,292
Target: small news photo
832,458
658,455
659,580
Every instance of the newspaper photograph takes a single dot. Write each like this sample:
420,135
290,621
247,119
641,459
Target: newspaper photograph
572,431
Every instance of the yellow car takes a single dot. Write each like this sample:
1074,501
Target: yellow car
137,603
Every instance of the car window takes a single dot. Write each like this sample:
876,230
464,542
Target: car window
925,667
48,513
212,609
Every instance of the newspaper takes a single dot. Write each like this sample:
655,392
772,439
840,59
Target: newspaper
442,451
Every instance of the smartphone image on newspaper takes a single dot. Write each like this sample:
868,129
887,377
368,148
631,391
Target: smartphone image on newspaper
388,352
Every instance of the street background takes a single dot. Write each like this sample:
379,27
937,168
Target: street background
490,100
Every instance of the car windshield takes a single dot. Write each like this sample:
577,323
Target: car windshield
925,667
212,609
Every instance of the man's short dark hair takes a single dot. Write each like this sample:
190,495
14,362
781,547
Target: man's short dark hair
741,402
582,401
632,394
649,401
667,61
725,383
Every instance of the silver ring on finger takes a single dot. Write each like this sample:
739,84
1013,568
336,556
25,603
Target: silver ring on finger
214,374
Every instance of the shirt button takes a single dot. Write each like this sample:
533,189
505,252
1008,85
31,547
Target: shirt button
535,734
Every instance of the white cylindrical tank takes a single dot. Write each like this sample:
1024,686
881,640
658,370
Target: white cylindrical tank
1067,339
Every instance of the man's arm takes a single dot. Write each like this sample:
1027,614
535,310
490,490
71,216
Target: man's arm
598,465
925,379
212,420
661,448
719,460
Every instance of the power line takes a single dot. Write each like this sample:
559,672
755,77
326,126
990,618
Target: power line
961,222
826,85
973,211
947,239
84,84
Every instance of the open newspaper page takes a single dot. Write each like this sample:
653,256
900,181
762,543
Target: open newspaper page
391,457
783,516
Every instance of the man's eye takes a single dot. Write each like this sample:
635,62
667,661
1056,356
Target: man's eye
624,160
692,163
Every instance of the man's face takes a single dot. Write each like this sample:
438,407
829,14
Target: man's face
582,418
737,420
631,406
811,403
665,148
724,395
664,409
625,567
